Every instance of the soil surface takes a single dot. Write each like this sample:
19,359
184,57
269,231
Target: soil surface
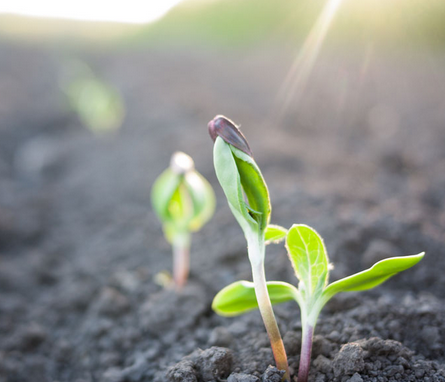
360,157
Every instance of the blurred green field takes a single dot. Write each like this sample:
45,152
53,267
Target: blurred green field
239,23
235,23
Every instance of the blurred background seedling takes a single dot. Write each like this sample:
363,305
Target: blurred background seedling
183,201
98,105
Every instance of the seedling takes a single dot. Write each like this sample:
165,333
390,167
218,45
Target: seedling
98,104
184,201
248,198
309,259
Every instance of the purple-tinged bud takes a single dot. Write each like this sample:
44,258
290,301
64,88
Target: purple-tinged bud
229,132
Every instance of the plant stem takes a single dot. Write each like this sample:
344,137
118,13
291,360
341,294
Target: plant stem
265,306
305,355
181,259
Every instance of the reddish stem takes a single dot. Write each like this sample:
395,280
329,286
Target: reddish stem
181,260
305,355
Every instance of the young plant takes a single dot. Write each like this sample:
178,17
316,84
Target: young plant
248,198
309,259
184,201
99,105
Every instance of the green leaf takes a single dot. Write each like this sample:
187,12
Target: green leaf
162,192
309,258
180,206
239,297
372,277
238,174
229,178
203,199
254,187
274,234
182,198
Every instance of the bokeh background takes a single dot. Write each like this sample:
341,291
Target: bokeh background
343,103
301,40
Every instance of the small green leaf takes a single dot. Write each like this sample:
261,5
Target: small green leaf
372,277
239,297
163,190
203,199
309,258
274,234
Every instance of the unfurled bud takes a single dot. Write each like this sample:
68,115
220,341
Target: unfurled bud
223,127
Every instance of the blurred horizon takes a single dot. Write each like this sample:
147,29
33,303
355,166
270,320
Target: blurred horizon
398,24
132,11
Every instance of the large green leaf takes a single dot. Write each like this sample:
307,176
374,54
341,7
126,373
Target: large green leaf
274,234
309,258
372,277
239,297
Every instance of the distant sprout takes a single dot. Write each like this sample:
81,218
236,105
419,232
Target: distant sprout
184,201
248,198
99,105
309,259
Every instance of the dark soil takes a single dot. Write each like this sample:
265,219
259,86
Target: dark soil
361,159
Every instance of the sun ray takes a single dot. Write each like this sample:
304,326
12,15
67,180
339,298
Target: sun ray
295,82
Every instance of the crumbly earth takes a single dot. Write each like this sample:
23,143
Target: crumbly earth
360,157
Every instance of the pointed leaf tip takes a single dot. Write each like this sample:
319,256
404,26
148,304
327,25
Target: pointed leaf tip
223,127
374,276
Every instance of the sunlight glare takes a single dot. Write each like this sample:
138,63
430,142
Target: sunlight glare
129,11
295,82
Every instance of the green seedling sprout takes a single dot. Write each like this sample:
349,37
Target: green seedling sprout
184,201
98,104
309,259
248,199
